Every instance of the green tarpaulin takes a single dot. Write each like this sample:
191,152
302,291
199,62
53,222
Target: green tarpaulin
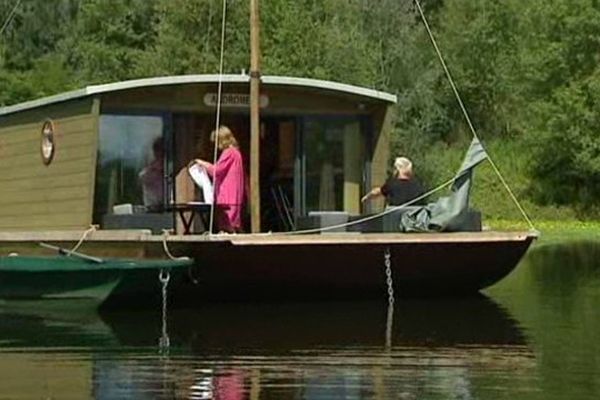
448,213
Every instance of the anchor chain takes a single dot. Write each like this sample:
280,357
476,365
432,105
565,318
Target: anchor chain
388,273
390,290
164,341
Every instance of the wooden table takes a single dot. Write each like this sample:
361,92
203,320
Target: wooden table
192,209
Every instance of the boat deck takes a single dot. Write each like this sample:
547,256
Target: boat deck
269,238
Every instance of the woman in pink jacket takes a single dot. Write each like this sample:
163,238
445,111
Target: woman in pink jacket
228,179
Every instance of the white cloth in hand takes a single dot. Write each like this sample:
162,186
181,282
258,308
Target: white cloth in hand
201,179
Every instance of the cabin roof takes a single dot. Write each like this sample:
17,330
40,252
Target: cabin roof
191,79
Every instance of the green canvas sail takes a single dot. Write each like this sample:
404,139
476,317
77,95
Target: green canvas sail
448,213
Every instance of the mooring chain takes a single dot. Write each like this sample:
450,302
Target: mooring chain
164,342
388,273
390,290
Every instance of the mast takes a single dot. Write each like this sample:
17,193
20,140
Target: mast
254,116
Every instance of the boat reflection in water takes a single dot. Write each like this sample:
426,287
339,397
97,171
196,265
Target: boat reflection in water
451,347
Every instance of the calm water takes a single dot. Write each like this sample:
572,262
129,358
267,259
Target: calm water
534,336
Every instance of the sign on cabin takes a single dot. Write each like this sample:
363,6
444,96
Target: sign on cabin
233,100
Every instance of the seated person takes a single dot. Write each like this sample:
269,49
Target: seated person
152,178
401,188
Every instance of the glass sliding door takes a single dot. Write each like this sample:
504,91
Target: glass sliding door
333,154
131,164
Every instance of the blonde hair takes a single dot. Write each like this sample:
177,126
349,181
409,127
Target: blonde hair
403,167
224,136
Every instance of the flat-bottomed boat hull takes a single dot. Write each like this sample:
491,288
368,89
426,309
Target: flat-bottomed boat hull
312,267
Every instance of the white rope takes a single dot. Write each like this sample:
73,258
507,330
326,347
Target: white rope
218,118
91,229
10,16
466,114
166,247
372,217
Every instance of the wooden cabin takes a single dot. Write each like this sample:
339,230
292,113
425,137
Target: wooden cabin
77,158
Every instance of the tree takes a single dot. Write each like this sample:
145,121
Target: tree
562,67
189,38
567,158
109,38
30,63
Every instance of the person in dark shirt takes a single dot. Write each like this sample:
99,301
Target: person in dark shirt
401,188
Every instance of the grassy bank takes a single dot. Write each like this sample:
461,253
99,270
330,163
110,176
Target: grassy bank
553,231
488,193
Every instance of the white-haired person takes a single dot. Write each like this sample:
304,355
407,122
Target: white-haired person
401,188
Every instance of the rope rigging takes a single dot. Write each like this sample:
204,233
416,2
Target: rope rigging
10,17
85,234
165,237
466,114
218,117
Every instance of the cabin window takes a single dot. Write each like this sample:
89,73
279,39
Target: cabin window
130,165
334,163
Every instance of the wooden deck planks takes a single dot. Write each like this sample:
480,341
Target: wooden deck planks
270,239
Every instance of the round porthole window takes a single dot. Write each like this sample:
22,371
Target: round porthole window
47,142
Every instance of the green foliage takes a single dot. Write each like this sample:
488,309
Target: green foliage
31,64
562,72
189,38
323,41
568,166
527,72
528,75
108,38
481,40
34,31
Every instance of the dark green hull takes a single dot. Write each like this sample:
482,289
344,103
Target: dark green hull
62,277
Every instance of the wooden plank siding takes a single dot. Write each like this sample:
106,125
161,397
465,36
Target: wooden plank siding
56,111
34,196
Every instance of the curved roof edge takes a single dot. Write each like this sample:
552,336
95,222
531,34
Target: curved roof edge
183,79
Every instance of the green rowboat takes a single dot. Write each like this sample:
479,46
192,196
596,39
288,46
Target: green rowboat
72,275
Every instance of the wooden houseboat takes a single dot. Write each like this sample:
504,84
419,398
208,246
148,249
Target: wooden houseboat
74,160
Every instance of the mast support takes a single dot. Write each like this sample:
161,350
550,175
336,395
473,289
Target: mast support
254,116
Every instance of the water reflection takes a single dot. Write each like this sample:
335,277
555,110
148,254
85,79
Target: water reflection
452,348
535,337
555,295
566,267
